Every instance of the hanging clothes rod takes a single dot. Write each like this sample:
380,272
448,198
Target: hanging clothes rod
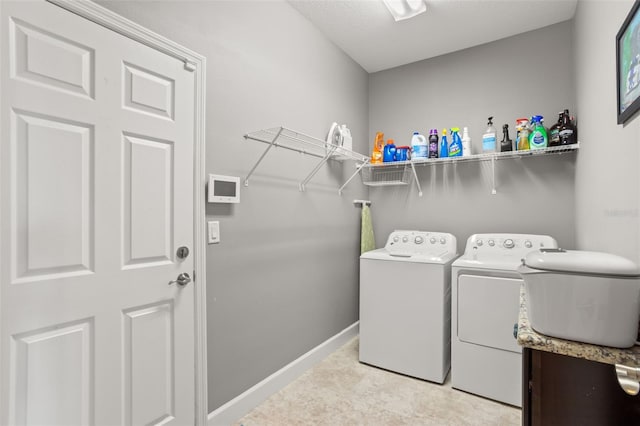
361,203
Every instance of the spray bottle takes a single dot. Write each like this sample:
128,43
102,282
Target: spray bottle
538,138
455,149
466,142
506,144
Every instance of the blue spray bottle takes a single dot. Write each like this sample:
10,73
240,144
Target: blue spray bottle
455,149
444,146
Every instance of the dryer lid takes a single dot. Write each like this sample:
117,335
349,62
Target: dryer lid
582,262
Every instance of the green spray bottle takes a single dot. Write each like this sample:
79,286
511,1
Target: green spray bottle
538,139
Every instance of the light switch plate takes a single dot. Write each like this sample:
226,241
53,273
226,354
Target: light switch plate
213,232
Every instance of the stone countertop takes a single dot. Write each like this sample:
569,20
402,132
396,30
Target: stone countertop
529,338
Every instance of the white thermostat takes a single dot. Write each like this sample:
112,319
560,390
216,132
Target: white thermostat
224,189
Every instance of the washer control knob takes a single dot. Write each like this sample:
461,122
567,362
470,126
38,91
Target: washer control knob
492,243
443,240
418,240
508,243
405,239
433,240
396,239
528,244
479,243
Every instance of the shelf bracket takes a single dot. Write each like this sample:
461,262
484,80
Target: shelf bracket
415,177
358,168
493,175
313,172
273,141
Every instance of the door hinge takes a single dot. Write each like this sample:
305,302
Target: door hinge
194,276
189,66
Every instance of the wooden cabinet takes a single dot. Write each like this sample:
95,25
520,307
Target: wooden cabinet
564,390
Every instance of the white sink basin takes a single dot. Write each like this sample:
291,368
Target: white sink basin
584,296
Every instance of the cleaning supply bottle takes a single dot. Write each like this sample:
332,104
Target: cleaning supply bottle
419,146
506,144
433,143
489,139
466,142
554,131
538,138
568,132
522,135
444,146
455,149
378,143
389,152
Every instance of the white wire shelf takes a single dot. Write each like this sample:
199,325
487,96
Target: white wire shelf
373,174
481,157
282,137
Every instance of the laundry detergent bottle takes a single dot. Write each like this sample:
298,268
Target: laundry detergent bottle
419,146
455,149
378,145
444,145
433,143
389,153
538,138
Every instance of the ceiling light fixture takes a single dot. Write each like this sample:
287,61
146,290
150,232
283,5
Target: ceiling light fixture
405,9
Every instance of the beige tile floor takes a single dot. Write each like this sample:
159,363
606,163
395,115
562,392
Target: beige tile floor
341,391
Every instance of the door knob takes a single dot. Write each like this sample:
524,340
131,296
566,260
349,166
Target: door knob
182,280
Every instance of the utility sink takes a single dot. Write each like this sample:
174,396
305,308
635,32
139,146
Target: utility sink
585,296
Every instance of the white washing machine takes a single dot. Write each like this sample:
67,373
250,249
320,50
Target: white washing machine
485,358
405,304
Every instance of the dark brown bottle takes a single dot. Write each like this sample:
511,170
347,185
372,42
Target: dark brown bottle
554,131
506,144
568,133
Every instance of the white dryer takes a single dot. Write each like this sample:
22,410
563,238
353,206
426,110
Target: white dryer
405,304
485,357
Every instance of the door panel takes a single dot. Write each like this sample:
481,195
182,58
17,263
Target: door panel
148,238
53,162
148,348
487,309
52,370
96,191
147,92
34,49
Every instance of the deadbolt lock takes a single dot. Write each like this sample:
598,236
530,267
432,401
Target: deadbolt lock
182,253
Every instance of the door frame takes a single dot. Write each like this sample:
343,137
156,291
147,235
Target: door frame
195,63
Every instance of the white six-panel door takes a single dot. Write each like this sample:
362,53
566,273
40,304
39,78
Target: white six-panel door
96,191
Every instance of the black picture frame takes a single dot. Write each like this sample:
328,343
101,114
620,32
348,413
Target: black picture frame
628,65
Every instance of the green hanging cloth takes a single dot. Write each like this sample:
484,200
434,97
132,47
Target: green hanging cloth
367,240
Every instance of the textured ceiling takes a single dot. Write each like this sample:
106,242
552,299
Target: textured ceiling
365,30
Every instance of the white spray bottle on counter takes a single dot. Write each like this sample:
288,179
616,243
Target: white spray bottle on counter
466,142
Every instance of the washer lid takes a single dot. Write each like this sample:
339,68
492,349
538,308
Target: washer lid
583,262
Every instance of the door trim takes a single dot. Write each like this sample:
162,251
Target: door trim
196,63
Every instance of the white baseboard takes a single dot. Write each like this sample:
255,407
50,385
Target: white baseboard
235,409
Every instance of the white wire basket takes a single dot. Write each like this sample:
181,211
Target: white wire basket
386,175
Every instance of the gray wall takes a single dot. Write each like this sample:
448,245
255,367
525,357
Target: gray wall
284,278
528,74
607,169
